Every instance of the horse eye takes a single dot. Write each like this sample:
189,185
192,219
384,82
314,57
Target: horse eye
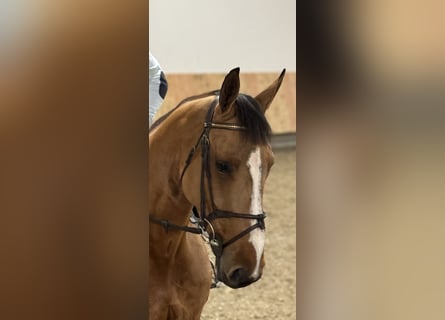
223,167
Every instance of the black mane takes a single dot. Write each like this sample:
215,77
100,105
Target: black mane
248,112
250,116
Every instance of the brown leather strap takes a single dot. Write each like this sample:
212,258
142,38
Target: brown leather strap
168,226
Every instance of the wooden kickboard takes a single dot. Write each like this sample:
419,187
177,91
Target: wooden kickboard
281,115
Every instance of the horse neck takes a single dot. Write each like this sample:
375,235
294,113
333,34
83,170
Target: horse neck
169,145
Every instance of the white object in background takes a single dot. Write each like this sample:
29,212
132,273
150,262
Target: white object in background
157,88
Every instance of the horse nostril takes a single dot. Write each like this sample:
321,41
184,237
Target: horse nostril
239,276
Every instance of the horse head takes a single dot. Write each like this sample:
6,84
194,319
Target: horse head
227,185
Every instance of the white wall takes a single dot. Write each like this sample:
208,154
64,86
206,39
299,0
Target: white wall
194,36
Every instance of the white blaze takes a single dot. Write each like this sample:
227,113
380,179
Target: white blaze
256,237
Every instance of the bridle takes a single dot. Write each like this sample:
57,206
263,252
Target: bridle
204,220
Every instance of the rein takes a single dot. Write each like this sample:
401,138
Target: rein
204,220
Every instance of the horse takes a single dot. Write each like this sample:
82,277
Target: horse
210,155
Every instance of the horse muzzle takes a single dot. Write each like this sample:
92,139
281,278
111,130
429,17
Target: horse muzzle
238,278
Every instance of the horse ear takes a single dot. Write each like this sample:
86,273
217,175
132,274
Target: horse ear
229,90
265,98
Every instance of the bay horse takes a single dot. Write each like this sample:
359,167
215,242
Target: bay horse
223,186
